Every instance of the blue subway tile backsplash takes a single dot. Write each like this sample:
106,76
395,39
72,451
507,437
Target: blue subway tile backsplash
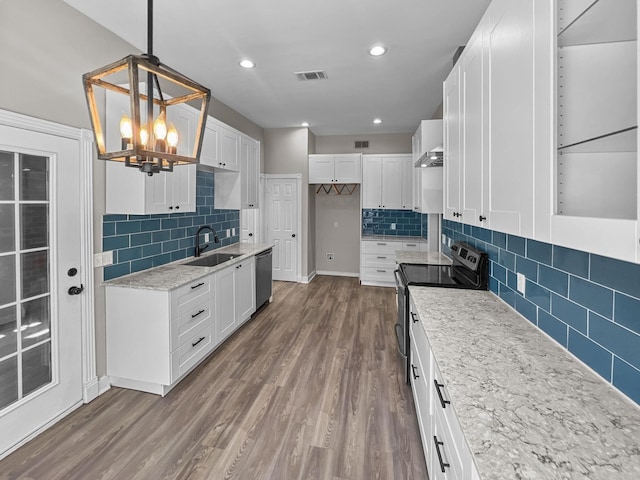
405,223
588,303
140,242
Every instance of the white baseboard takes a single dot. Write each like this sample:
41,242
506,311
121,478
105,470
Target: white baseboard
308,278
91,391
105,384
338,274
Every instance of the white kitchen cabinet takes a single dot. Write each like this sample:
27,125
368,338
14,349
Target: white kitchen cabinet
452,129
596,179
427,183
229,149
155,337
324,168
132,192
378,259
407,183
383,180
249,172
235,284
210,154
250,225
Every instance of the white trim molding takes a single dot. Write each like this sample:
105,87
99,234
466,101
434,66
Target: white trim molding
338,274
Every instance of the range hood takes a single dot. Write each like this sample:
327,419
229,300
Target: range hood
432,158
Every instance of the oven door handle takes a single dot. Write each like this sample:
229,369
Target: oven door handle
398,333
399,282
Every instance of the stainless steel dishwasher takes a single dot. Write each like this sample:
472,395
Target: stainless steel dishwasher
264,276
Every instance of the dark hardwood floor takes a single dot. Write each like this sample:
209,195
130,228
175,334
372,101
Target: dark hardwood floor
310,388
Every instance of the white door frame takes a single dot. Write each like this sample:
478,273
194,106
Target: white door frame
298,178
90,389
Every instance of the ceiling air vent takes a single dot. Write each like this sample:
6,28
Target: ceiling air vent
362,143
314,75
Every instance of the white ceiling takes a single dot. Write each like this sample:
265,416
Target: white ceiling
206,39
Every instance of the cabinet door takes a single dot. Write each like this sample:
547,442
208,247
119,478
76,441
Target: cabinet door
417,173
253,174
347,168
452,150
225,318
183,189
372,182
407,183
245,283
230,150
392,182
211,145
511,99
473,121
249,231
246,171
321,169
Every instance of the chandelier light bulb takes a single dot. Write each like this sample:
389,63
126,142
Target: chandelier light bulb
144,136
126,128
160,127
172,139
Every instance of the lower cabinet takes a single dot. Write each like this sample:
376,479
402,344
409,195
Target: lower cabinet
378,259
235,289
446,452
156,337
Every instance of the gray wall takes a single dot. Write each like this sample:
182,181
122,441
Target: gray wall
344,240
46,46
286,150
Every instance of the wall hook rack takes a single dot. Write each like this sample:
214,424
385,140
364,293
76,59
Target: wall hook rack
338,188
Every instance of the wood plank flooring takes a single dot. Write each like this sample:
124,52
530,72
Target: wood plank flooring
310,388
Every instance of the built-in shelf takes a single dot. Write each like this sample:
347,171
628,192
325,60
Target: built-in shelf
582,22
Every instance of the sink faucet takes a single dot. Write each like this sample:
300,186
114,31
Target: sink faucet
200,249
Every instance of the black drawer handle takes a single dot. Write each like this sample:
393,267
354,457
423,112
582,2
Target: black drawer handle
196,286
196,314
381,271
381,243
382,258
443,402
414,369
197,342
411,245
238,266
438,445
414,318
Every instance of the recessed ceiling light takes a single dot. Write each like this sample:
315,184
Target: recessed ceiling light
377,50
377,121
247,64
305,124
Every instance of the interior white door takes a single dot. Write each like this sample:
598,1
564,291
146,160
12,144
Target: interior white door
282,226
40,318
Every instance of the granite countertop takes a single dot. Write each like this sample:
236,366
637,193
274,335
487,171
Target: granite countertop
174,275
528,409
430,258
391,238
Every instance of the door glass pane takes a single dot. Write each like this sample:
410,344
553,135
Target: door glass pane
6,176
36,368
35,273
35,225
7,279
35,322
34,181
8,381
8,331
7,227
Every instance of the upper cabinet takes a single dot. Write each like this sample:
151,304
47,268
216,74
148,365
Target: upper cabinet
384,177
220,146
131,192
329,168
427,182
452,145
596,170
235,190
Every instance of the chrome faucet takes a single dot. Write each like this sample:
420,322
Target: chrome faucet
200,249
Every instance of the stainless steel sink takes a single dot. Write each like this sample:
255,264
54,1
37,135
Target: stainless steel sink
211,260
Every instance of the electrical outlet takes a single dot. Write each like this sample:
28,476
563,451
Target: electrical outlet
521,282
393,226
443,238
233,231
206,237
335,224
228,232
330,257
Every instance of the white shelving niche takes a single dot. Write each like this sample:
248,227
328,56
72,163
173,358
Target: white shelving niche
597,127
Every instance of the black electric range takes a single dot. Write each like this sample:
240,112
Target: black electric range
469,270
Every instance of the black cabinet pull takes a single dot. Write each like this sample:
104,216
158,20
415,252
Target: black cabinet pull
178,207
196,314
197,342
438,445
198,285
238,266
383,258
251,234
170,208
414,318
482,218
414,369
443,402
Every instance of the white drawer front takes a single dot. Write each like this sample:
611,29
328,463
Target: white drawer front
385,260
183,326
418,334
386,246
194,289
412,246
377,274
196,347
448,452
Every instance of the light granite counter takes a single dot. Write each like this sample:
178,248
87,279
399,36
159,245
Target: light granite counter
174,275
528,409
430,258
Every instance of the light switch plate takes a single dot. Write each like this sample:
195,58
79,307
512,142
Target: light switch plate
393,226
228,232
206,236
521,282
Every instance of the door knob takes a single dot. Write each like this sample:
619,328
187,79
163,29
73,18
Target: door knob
75,290
293,235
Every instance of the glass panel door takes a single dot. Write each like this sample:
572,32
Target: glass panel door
25,296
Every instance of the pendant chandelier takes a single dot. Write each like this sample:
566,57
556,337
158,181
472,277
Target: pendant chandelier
143,101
